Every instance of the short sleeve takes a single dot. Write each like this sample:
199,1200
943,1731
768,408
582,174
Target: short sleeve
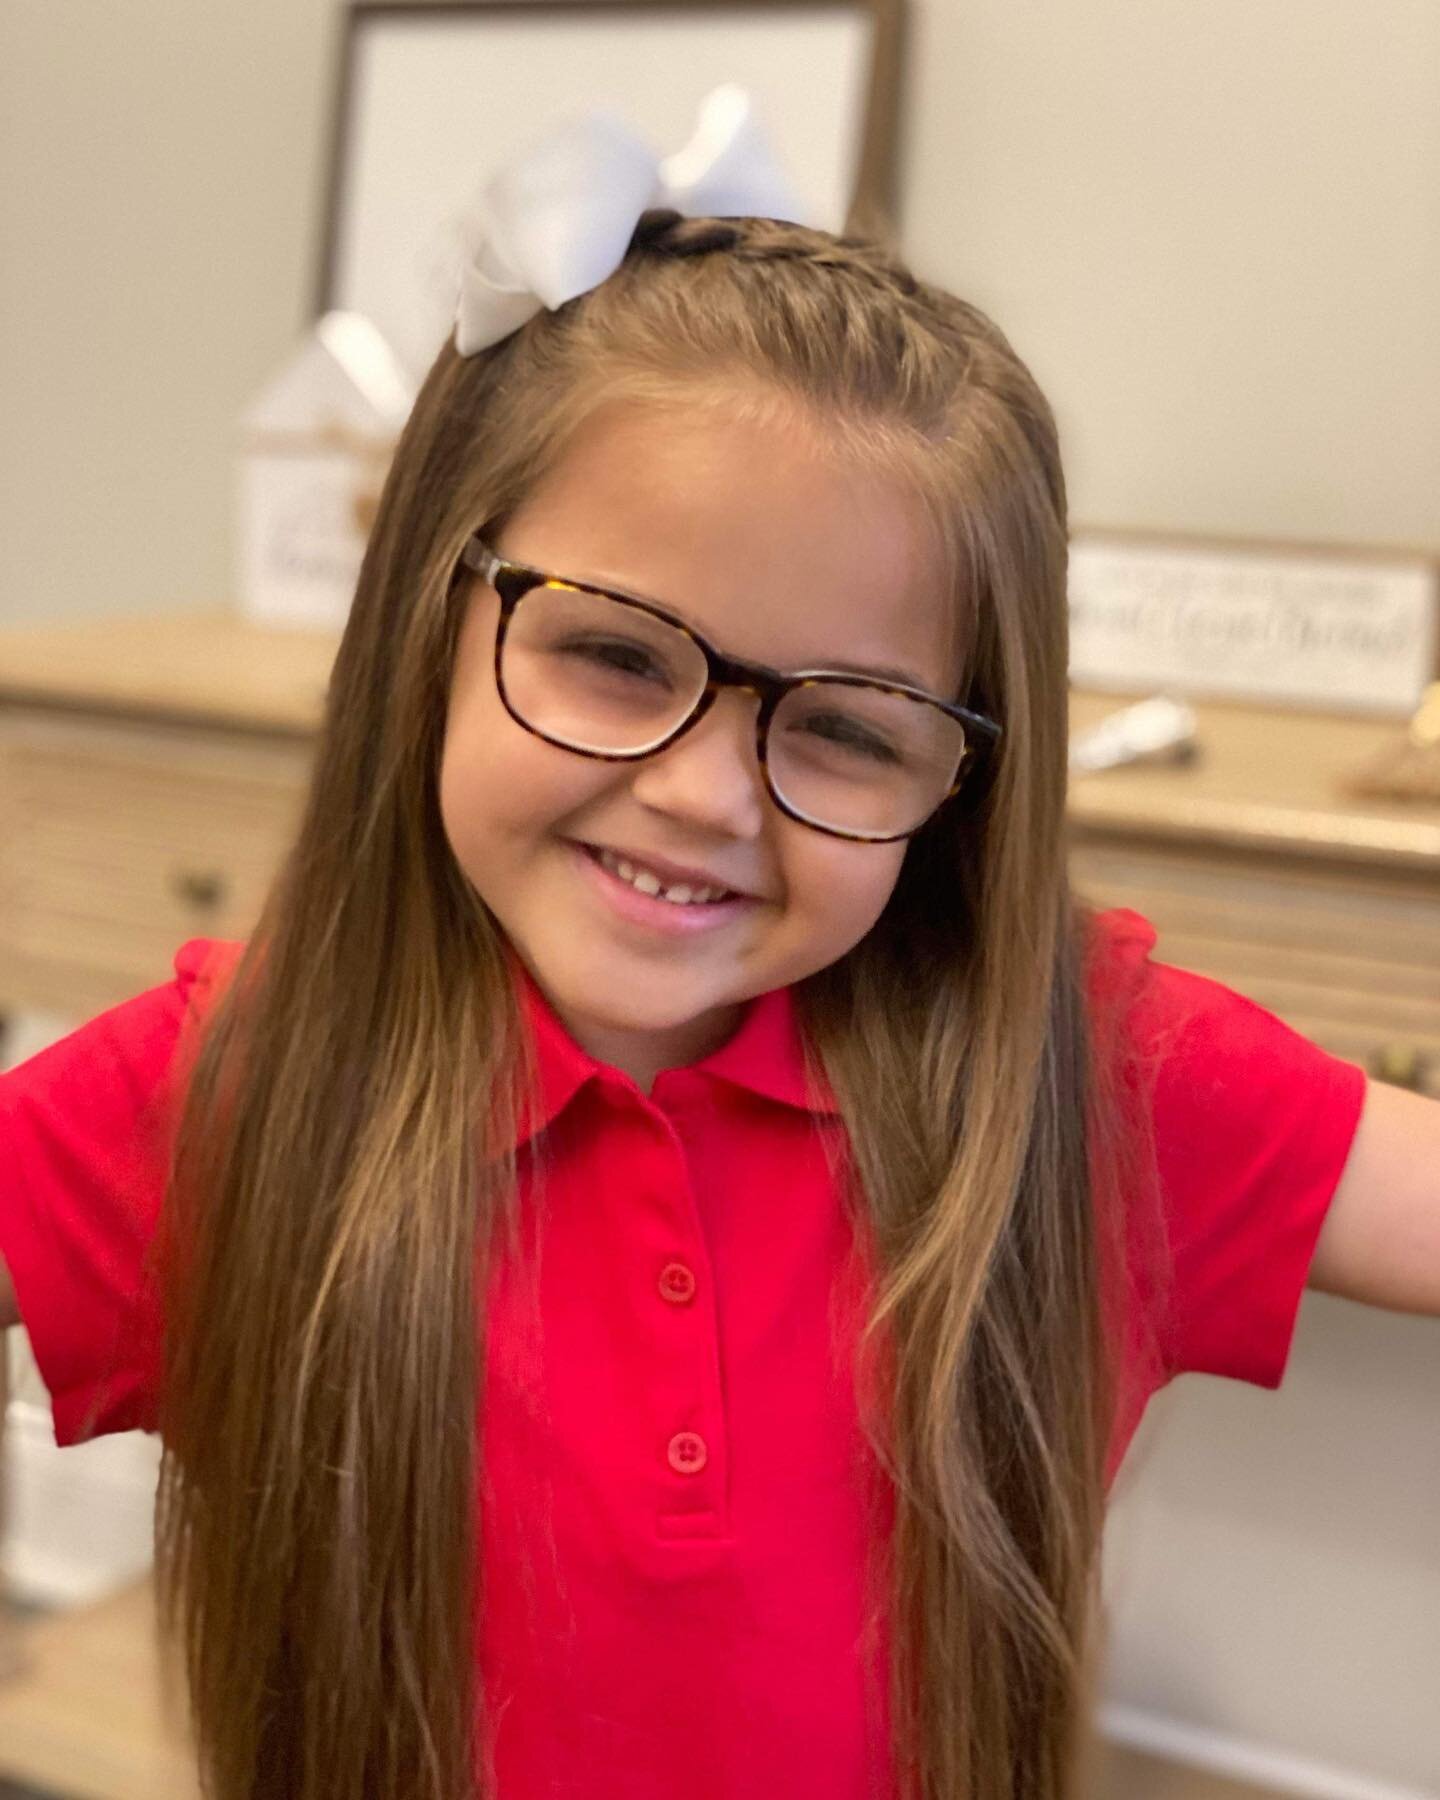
86,1128
1252,1126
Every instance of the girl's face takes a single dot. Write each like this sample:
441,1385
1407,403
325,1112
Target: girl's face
745,531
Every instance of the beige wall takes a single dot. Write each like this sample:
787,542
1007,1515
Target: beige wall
159,188
1211,226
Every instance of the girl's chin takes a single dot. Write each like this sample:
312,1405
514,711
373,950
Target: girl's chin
628,1014
605,1023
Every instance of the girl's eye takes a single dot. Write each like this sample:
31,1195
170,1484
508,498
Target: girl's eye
850,734
621,655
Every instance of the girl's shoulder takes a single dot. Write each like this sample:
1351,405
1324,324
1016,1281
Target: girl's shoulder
86,1129
1214,1058
127,1043
203,965
1250,1123
1117,942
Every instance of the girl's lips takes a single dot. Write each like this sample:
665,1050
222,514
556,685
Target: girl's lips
671,874
650,910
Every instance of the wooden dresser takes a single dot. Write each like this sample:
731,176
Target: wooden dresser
151,771
1256,870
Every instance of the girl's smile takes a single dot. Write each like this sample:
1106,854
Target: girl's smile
659,896
650,899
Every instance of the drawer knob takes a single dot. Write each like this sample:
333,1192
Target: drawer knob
1401,1065
204,889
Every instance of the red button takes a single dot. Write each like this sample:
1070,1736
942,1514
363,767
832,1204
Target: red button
677,1283
687,1453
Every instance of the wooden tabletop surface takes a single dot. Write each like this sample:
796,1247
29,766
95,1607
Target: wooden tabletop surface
1265,777
215,668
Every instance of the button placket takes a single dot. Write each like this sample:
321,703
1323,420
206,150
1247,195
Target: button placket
693,1506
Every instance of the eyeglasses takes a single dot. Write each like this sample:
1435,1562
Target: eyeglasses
617,679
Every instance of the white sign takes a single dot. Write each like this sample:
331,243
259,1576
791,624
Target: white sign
1303,628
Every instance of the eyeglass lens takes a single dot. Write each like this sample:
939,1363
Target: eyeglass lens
593,674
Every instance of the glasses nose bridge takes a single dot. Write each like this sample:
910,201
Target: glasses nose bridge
716,686
766,685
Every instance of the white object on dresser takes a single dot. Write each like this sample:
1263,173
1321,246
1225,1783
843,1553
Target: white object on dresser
78,1522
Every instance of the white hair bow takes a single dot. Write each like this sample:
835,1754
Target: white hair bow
557,220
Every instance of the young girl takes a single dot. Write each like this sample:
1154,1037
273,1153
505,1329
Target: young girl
646,1263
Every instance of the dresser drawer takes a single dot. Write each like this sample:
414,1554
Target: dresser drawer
1349,957
122,840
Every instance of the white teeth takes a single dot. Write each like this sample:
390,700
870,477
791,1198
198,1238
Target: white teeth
648,883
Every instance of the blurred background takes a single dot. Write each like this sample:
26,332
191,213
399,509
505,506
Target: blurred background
1213,231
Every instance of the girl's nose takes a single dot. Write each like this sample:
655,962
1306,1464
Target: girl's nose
710,777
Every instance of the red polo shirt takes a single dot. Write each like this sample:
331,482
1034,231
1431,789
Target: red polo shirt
677,1497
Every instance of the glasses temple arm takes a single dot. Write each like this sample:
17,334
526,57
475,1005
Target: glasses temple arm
481,559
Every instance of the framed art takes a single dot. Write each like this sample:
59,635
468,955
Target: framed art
430,98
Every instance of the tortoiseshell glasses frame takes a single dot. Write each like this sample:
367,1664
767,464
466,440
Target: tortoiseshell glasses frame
512,581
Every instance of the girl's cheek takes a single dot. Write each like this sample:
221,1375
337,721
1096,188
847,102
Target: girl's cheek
847,886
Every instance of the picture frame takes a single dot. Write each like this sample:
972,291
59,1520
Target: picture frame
430,96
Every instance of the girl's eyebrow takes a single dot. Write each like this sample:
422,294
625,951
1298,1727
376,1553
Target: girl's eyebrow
872,671
882,672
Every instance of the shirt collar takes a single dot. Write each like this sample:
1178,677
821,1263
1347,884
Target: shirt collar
765,1055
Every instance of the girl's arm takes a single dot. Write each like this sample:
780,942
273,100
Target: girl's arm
1381,1239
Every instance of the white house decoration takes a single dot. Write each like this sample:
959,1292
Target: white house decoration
314,449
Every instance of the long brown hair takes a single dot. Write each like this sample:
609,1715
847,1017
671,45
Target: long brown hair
341,1177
